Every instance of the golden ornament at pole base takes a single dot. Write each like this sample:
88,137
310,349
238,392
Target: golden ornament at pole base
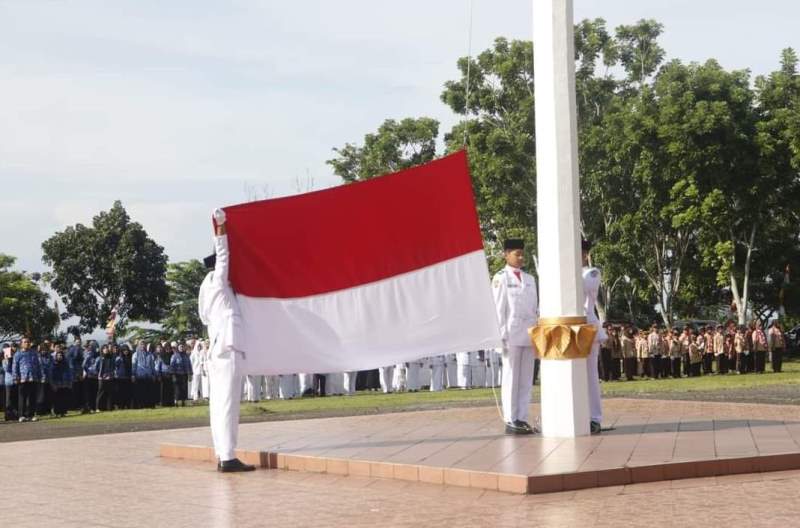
563,337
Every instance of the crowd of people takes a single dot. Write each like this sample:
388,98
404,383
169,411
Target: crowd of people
51,378
674,353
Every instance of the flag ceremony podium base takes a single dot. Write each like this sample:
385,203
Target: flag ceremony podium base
465,447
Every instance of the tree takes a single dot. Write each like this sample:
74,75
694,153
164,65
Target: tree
111,264
24,308
184,280
395,146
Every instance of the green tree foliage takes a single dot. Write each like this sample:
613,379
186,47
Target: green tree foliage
184,280
24,308
395,146
689,175
112,263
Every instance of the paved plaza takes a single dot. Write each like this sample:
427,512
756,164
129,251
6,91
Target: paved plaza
120,480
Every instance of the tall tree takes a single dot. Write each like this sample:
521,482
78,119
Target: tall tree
395,146
24,307
184,280
111,264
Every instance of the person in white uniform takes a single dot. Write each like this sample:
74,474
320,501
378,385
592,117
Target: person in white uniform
350,382
219,310
437,373
451,371
464,370
493,371
253,387
287,386
412,375
387,379
477,365
198,360
591,286
517,310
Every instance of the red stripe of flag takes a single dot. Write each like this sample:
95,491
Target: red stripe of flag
354,234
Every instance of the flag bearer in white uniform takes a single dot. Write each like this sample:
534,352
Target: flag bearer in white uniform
219,310
517,305
591,285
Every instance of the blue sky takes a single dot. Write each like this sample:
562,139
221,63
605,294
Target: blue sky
175,107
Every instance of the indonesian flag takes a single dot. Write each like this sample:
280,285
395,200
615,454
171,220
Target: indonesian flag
363,275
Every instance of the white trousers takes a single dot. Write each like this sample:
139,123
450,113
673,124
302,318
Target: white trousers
517,382
478,375
287,386
452,374
437,378
252,388
196,388
464,376
412,376
350,382
593,377
493,374
205,384
306,382
223,404
386,375
272,387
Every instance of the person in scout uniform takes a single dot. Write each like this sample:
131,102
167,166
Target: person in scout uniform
517,305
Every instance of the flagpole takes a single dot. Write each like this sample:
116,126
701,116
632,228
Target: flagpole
562,338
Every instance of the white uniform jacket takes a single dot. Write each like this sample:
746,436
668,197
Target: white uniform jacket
517,305
591,287
218,306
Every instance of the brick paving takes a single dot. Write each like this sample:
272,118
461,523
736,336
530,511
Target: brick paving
118,481
650,441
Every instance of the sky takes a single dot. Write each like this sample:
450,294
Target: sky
179,107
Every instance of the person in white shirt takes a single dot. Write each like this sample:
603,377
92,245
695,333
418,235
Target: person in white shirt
451,371
437,373
517,305
591,286
464,370
219,310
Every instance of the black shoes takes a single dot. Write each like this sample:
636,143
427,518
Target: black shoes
595,428
234,466
518,427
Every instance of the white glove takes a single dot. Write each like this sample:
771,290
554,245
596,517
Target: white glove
219,216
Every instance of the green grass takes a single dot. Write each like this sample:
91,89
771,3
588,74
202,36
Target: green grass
366,402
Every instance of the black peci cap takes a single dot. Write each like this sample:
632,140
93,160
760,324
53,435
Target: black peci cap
210,261
513,243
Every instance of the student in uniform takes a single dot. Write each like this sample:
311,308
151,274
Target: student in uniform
591,288
517,306
44,396
742,351
386,378
605,354
759,348
74,357
27,373
719,351
122,378
628,345
61,382
675,354
666,359
777,346
143,374
90,378
686,339
181,366
166,391
696,356
9,386
438,373
654,352
105,380
642,357
464,370
617,357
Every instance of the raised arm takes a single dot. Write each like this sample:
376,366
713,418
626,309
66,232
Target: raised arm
222,266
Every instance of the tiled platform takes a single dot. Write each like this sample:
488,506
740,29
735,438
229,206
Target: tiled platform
650,441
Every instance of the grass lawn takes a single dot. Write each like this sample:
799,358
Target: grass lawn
374,402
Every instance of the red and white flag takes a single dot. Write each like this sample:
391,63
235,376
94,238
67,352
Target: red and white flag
363,275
